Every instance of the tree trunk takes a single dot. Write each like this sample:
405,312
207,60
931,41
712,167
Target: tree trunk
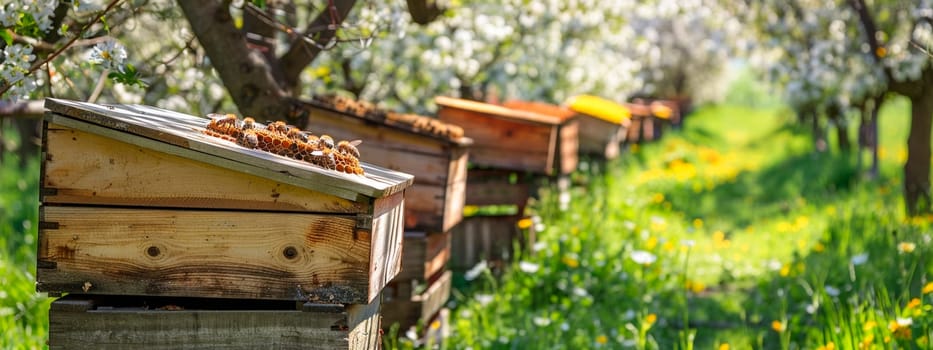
917,168
842,137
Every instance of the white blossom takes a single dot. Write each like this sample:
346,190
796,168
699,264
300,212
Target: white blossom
109,54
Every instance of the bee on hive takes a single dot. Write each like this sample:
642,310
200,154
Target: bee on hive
287,141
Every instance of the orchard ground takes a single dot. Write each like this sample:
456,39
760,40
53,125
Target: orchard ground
729,233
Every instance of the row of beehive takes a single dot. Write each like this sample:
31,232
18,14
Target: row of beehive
135,202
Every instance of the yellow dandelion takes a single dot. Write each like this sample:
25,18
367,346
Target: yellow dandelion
724,346
668,246
915,302
435,325
819,247
524,223
470,210
321,71
651,243
718,236
657,197
901,328
785,270
570,261
602,339
868,326
651,319
778,326
881,52
828,346
866,342
698,223
906,247
928,288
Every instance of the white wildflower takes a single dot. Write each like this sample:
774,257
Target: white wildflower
475,271
541,321
528,267
484,299
832,291
580,292
859,259
905,322
643,258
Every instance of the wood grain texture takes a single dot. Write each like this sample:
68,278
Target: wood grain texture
599,137
505,143
209,254
438,165
78,323
487,238
493,187
83,168
422,307
171,130
500,111
424,255
568,148
385,257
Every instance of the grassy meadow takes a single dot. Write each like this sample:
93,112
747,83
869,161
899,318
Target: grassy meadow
730,233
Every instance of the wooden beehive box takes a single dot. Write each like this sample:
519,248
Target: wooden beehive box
136,200
642,127
436,153
134,322
424,263
506,138
603,125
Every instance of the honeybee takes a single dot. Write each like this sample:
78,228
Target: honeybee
296,134
327,142
248,123
349,147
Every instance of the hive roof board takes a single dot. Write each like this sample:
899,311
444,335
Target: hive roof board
182,135
502,111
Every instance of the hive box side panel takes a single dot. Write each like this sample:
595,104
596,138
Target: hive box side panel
599,137
202,254
421,307
455,198
568,147
424,255
506,144
76,324
436,165
480,238
385,259
83,168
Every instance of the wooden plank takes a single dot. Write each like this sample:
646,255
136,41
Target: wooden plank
568,148
494,187
480,238
228,254
424,255
505,143
169,128
191,327
422,307
498,111
83,168
385,258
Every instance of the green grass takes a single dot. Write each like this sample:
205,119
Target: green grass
751,231
23,312
744,228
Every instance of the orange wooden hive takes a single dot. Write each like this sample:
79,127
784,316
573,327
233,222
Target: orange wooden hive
506,138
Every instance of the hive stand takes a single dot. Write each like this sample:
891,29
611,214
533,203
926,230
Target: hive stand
137,201
436,153
514,152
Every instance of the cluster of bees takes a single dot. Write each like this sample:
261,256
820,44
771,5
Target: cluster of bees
288,141
350,106
366,110
422,124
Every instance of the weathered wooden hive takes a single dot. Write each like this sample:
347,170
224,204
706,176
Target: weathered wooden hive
137,201
436,153
647,121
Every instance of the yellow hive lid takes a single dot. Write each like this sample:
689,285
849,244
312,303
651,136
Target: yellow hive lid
600,108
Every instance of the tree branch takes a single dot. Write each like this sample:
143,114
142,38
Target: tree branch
301,54
6,86
245,73
424,11
23,108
